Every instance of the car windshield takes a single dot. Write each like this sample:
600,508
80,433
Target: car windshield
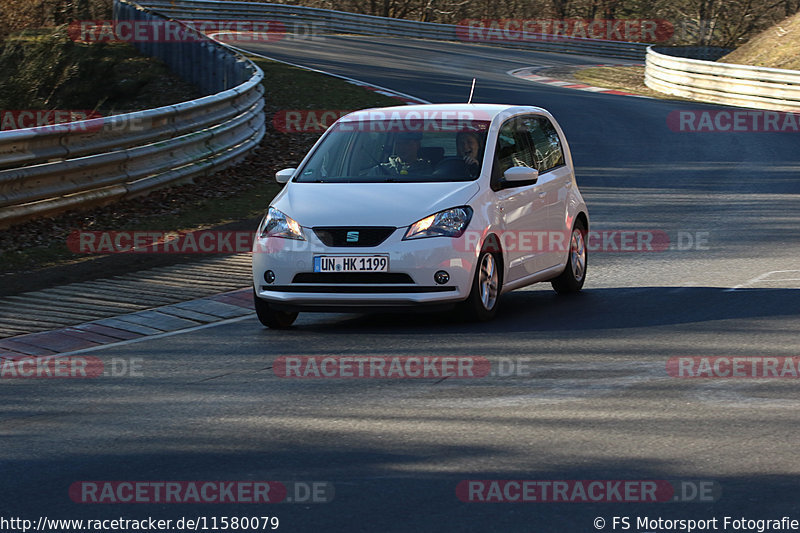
398,151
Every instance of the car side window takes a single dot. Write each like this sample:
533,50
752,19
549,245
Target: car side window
514,149
548,152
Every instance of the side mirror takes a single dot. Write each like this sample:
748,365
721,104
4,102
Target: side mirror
282,176
517,174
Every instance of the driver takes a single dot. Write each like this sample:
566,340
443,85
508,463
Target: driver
406,156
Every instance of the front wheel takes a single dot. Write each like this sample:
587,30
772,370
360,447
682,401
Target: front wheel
482,303
270,317
571,280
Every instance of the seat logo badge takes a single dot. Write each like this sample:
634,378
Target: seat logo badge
352,236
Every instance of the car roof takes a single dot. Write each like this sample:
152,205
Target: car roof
478,111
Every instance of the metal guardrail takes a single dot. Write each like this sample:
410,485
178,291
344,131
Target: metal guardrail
321,21
723,83
48,169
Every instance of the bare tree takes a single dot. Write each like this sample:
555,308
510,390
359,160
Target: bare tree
717,22
560,8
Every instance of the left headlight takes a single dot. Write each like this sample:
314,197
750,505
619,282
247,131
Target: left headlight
448,223
277,224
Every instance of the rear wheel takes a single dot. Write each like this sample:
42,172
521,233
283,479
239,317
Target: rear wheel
571,280
270,317
485,293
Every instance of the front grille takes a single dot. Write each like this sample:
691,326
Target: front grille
352,277
364,236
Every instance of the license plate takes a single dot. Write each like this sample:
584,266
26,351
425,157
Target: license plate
351,263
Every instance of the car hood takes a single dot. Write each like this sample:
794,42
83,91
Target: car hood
370,204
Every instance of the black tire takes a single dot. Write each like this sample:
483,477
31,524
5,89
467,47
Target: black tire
484,296
270,317
571,280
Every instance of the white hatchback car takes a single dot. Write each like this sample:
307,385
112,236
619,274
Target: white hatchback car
427,205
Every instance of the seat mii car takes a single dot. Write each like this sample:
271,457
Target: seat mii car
426,205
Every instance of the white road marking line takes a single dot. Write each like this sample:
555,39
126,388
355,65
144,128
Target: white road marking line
762,277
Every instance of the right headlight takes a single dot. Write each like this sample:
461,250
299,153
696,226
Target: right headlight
278,224
448,223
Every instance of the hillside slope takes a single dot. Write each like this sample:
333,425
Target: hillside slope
777,47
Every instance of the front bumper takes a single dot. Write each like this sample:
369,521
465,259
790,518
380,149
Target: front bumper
409,281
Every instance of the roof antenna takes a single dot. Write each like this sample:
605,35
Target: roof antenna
471,91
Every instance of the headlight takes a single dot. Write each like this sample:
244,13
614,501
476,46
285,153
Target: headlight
449,223
276,224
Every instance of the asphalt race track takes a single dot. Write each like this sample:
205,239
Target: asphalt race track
580,387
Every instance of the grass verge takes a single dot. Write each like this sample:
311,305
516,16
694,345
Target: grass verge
628,79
